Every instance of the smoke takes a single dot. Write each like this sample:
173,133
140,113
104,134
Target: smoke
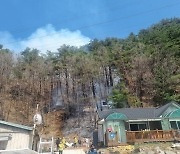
57,97
43,39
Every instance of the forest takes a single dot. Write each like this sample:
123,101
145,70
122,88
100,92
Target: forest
147,65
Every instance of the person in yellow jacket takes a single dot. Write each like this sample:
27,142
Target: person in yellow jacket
75,142
61,148
64,141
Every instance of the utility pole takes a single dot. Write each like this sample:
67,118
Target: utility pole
37,119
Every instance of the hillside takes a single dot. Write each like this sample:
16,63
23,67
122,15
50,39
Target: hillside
71,80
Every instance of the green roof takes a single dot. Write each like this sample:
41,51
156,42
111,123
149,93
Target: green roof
115,116
138,113
16,125
173,114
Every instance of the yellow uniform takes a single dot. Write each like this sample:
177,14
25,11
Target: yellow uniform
61,148
64,141
75,140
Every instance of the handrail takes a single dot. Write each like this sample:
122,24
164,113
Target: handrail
149,135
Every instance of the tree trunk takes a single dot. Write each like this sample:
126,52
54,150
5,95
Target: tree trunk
110,76
106,76
93,88
67,88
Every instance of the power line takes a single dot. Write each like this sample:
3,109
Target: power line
72,40
104,22
126,17
80,17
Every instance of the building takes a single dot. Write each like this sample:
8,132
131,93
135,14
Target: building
126,125
15,136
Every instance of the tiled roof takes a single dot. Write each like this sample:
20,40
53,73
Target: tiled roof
16,125
161,109
131,113
18,151
136,113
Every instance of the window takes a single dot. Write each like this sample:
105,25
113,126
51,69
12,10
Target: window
142,126
155,125
175,124
134,127
138,127
178,123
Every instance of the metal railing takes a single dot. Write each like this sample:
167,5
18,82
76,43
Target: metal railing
46,143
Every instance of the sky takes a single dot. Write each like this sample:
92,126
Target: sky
48,24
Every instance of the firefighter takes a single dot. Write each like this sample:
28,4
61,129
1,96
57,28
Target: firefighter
61,147
64,141
58,142
75,142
